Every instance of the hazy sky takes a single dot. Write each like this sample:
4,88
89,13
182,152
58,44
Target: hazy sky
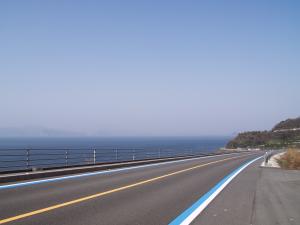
149,67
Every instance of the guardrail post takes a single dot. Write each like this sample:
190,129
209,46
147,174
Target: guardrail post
27,158
94,156
133,155
66,157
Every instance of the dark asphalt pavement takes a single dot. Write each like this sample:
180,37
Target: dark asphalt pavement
150,195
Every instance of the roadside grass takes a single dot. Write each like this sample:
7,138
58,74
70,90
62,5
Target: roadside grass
290,159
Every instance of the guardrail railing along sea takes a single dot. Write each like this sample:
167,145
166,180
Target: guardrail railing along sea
35,159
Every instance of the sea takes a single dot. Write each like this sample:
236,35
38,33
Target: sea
62,151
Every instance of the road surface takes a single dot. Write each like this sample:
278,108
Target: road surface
155,194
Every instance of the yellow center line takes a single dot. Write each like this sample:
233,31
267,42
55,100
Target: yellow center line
39,211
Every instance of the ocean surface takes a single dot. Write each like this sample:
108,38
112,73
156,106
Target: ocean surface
206,144
51,152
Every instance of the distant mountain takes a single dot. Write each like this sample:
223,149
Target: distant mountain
36,132
285,133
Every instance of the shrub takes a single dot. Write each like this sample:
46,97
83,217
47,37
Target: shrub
290,159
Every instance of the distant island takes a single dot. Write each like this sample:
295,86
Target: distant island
284,134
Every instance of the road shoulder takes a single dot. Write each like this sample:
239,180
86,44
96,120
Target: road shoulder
234,205
277,197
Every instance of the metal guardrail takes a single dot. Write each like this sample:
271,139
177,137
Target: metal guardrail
36,159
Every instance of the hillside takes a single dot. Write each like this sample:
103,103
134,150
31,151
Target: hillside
288,124
285,133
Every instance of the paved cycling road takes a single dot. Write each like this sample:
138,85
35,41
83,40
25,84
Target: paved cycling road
155,194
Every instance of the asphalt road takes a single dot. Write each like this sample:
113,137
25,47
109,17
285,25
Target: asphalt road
148,195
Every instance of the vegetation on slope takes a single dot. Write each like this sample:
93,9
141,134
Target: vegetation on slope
281,135
290,159
287,124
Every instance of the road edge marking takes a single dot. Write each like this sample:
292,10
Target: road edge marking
188,215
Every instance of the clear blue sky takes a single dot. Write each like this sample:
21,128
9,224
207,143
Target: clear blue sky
149,67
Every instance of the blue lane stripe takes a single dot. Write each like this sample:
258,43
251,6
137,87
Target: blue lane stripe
28,183
178,220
